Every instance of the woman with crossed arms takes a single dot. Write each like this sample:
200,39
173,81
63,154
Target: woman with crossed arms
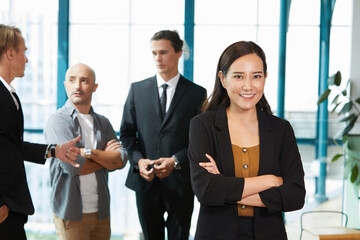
245,164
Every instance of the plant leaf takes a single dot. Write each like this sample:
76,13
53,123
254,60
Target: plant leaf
336,157
357,100
346,108
354,173
344,92
335,100
324,96
349,125
333,110
348,117
337,78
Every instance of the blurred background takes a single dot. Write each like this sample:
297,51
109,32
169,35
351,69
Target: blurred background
113,37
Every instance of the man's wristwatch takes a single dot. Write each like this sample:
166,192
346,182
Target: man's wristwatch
52,150
177,165
87,152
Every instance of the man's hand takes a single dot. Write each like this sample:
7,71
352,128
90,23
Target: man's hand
145,172
112,145
4,213
163,167
67,152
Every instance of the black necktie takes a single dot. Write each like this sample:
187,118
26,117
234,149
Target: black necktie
163,100
17,99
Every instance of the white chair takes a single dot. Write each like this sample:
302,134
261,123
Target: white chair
313,221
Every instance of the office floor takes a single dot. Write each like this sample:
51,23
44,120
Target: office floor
334,188
293,227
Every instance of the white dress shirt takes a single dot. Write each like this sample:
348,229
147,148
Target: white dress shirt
170,90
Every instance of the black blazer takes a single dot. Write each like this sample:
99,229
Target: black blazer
14,191
218,194
144,135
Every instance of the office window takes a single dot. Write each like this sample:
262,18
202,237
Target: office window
219,25
38,22
302,65
113,37
37,89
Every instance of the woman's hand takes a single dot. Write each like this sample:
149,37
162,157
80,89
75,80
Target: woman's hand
210,166
4,212
278,181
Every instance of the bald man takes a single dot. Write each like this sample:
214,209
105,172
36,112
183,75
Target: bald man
80,197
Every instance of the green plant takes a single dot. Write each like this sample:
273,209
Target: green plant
348,111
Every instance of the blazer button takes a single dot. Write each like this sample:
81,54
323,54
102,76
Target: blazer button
245,166
161,135
244,150
243,207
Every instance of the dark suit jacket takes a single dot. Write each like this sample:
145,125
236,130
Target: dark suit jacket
14,191
218,194
144,135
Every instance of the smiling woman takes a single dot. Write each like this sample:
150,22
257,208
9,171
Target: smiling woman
242,157
244,82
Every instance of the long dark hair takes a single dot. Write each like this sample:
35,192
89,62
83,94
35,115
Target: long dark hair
219,97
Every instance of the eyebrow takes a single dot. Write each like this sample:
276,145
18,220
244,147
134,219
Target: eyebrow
257,72
160,50
80,77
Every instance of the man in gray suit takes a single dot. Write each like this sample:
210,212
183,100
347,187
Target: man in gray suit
155,131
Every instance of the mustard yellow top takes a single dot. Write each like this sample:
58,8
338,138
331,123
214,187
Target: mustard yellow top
246,165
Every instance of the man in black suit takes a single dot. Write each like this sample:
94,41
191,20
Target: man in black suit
15,199
155,132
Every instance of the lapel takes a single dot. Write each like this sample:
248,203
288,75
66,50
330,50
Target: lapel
224,143
20,115
179,92
154,96
267,142
17,113
9,99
